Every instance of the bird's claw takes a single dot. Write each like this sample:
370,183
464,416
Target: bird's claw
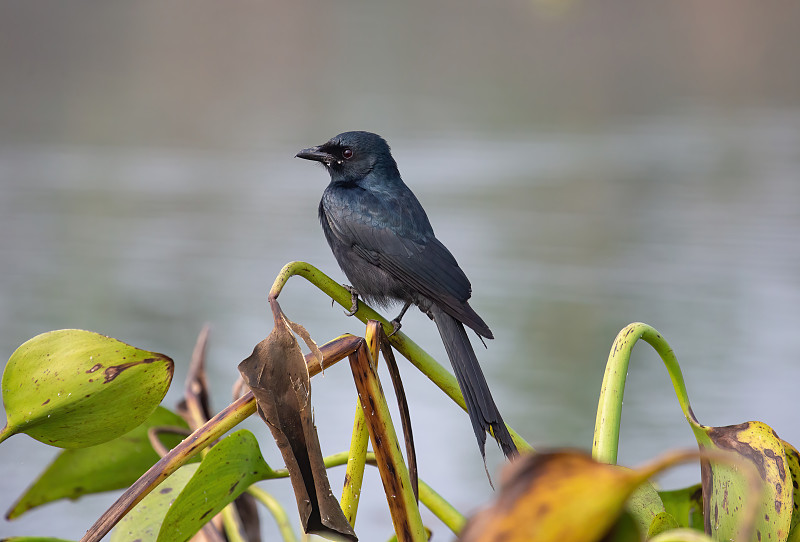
396,325
353,301
396,322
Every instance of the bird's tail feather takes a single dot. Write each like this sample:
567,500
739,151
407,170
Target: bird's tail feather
480,405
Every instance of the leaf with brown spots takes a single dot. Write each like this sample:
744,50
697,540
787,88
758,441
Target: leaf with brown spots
73,388
111,465
144,520
229,468
793,464
725,492
562,496
566,496
277,374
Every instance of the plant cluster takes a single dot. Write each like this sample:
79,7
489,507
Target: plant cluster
185,472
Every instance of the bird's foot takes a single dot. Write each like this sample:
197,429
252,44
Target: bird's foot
396,325
353,300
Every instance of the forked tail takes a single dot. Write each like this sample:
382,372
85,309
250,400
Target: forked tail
480,405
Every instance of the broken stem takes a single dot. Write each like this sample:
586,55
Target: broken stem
394,474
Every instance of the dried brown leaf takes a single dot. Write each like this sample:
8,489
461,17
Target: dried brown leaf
277,374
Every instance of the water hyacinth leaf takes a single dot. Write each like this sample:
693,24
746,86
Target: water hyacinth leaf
648,511
559,496
625,529
228,469
662,523
112,465
144,521
793,463
725,490
73,388
685,505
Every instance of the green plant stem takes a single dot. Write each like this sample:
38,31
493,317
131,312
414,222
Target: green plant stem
232,523
356,461
609,409
357,456
277,511
442,509
400,341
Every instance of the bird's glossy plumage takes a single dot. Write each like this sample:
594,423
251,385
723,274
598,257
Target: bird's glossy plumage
384,243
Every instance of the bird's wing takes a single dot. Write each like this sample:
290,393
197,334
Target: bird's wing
389,233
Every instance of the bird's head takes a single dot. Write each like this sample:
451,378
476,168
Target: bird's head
351,156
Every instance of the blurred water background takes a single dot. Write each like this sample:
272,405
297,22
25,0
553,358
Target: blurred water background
589,164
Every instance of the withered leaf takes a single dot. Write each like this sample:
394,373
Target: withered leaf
562,496
277,374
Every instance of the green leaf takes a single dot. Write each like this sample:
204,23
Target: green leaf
625,529
646,508
725,490
225,472
662,523
143,522
685,505
73,388
793,463
111,465
562,496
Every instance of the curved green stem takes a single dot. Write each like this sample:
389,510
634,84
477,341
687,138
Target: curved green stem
277,511
440,508
232,523
400,341
609,409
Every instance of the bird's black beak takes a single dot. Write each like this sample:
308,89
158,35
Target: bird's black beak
316,154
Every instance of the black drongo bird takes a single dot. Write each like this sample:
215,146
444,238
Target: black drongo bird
384,243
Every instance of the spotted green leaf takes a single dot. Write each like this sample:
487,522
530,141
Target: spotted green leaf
725,491
225,472
111,465
73,388
144,521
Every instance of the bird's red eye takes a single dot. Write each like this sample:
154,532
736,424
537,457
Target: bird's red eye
347,154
